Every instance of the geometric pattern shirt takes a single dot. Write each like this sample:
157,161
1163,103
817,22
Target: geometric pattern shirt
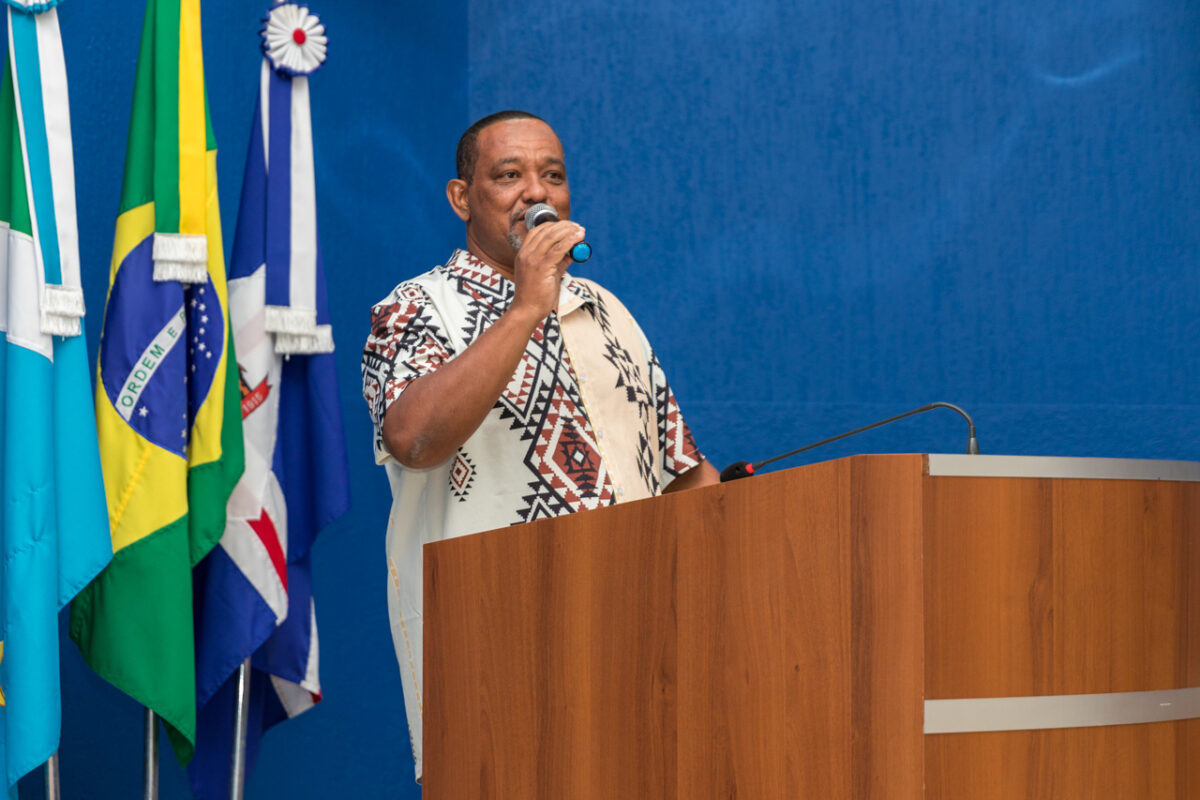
587,420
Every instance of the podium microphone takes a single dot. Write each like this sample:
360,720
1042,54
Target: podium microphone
743,469
540,213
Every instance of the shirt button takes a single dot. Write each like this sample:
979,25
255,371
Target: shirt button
620,493
599,434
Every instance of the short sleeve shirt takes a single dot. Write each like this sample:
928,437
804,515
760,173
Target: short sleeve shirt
586,420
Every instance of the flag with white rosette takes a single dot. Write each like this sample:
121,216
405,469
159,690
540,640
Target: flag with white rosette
253,591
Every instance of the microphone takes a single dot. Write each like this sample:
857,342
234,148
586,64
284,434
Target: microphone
539,213
744,469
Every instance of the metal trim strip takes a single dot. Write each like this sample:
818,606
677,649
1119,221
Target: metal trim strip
1132,469
1060,711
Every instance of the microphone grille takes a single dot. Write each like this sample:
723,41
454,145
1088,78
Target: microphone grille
539,213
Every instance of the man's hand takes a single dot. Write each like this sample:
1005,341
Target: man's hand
540,264
440,411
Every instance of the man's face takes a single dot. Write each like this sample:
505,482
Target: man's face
520,163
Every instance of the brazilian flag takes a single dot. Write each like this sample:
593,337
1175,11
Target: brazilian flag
168,410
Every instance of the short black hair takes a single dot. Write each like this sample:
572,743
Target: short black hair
468,144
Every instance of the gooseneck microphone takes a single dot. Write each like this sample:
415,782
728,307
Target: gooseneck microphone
744,469
540,213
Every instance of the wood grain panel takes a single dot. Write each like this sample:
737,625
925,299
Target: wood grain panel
1120,762
799,609
770,639
1044,587
887,663
1038,587
1119,573
764,602
525,624
988,587
1191,610
753,640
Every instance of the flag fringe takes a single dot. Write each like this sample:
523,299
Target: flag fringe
60,325
66,301
319,341
285,319
62,310
180,257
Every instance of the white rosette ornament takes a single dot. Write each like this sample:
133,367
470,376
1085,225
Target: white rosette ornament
294,39
294,46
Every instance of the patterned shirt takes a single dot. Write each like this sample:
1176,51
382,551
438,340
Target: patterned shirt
587,420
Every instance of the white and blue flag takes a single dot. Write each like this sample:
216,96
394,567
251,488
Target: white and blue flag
253,591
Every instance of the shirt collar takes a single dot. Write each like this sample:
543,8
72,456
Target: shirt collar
574,292
474,269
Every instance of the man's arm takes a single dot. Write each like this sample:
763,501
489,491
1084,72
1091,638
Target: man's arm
703,474
437,412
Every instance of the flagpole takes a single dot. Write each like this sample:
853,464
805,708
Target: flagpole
237,770
150,782
52,778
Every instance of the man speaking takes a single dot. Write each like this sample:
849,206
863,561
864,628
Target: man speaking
504,390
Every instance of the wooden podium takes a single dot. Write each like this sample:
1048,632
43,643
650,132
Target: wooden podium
890,626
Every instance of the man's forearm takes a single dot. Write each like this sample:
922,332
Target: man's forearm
437,412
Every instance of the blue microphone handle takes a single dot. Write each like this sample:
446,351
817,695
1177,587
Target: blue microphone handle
581,252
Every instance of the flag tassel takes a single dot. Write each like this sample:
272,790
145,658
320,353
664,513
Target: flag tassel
319,340
180,257
287,319
62,310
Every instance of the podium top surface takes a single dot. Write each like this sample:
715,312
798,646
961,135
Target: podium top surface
1129,469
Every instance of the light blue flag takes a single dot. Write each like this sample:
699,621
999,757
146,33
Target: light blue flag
54,533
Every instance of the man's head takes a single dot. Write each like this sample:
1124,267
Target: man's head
507,162
468,144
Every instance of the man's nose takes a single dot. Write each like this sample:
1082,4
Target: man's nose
534,190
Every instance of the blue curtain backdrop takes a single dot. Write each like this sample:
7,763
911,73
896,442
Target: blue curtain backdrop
821,215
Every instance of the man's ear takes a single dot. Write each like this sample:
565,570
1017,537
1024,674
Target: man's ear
456,193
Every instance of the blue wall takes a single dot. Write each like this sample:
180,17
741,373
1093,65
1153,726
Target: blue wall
827,213
820,215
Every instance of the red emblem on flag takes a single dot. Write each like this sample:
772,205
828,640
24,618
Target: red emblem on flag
251,398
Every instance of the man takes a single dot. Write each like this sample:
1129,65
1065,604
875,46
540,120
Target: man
504,390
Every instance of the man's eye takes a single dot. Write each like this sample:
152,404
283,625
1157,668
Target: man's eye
555,176
509,175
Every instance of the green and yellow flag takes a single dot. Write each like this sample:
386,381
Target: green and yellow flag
168,409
